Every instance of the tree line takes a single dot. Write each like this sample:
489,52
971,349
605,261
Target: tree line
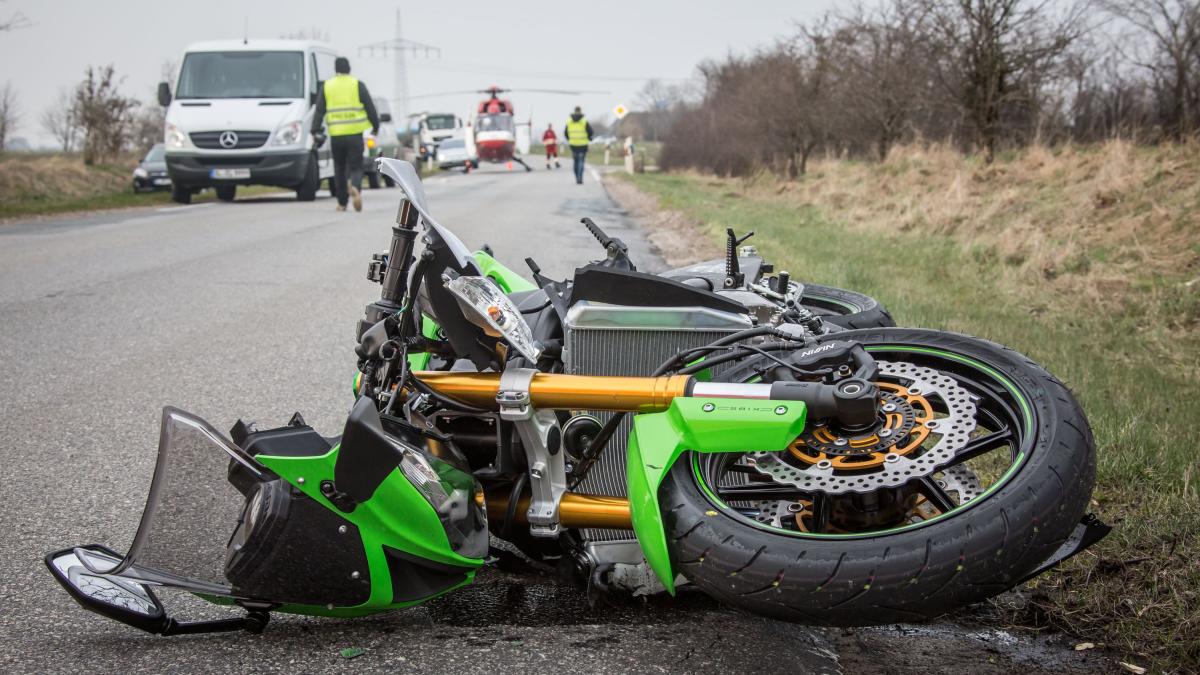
983,75
94,119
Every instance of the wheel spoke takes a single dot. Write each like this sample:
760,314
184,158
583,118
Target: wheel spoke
821,507
752,491
935,494
979,445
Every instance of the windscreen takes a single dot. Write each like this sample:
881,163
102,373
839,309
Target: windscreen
156,154
242,75
439,122
495,123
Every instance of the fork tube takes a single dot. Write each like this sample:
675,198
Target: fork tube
565,392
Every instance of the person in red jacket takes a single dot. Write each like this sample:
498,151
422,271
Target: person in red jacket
550,140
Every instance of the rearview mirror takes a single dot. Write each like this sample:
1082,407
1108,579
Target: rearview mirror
164,94
115,597
385,117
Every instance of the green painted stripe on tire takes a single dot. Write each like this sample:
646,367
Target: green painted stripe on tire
1026,409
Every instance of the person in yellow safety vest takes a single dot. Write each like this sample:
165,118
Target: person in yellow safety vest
578,134
346,108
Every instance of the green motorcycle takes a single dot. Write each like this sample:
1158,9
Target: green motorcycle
778,445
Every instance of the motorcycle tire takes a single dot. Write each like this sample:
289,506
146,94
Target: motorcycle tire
844,308
920,569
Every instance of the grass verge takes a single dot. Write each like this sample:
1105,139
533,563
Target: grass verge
48,184
1135,374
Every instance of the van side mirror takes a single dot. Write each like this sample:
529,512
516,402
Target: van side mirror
164,94
385,117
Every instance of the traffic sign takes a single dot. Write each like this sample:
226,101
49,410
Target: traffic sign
620,111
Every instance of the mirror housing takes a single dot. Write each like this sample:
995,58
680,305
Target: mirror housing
385,117
164,94
130,601
125,600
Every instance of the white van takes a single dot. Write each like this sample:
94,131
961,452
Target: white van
241,114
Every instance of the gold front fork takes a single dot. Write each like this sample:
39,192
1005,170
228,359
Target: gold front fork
564,392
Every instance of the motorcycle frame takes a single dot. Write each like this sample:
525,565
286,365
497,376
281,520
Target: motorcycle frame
675,414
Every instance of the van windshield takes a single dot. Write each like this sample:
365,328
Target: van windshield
242,75
439,122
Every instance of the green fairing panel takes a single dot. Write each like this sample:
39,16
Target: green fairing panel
657,440
397,516
508,280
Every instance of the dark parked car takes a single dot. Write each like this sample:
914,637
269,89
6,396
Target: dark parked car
151,172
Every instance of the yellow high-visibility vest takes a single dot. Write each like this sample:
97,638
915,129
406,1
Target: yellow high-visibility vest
345,114
577,132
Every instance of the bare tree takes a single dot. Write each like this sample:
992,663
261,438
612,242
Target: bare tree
104,115
1169,50
59,120
658,100
993,55
881,70
10,113
14,21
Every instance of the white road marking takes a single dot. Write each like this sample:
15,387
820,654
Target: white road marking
183,207
595,174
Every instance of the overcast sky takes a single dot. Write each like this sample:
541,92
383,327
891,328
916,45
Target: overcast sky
610,46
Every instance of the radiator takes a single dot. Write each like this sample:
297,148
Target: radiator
613,340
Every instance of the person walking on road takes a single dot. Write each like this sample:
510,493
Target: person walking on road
550,140
346,108
579,134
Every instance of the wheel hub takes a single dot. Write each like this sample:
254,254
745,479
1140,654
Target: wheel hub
930,418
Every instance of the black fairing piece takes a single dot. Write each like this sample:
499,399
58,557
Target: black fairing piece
469,341
300,551
713,271
366,456
415,579
294,440
622,287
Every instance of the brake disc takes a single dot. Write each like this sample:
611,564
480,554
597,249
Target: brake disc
959,480
953,432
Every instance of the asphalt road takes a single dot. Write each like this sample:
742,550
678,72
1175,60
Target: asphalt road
248,310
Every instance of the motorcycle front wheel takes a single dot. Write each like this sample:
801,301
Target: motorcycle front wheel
980,466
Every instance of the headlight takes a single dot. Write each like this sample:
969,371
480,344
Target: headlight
288,134
140,173
174,138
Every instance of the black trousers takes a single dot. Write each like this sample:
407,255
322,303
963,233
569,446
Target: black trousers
347,164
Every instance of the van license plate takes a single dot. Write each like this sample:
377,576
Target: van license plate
229,173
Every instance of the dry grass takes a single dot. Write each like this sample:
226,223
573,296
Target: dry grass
1089,222
24,176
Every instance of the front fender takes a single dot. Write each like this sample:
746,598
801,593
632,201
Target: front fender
699,425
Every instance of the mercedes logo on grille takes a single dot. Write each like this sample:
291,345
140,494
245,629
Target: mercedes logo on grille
228,139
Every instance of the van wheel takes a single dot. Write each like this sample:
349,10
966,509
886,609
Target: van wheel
307,190
181,194
226,193
373,180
